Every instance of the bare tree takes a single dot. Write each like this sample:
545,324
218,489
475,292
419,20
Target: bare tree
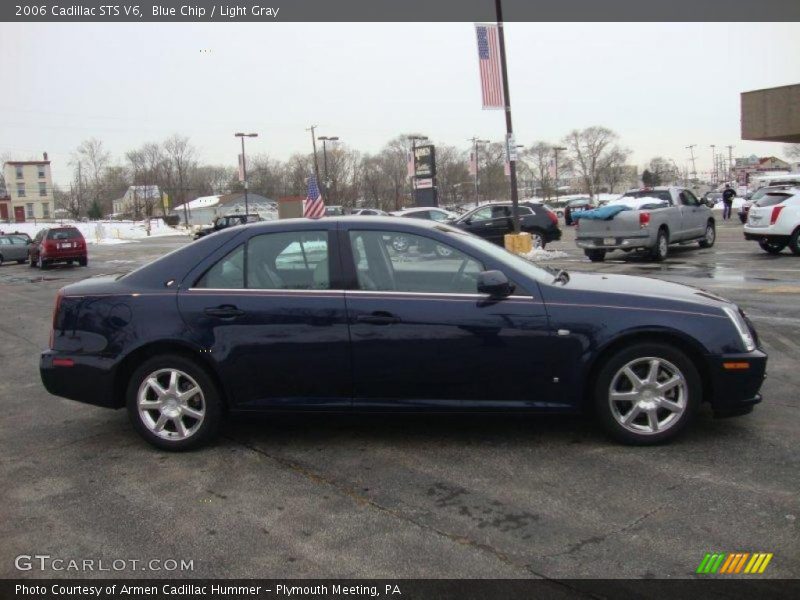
792,151
451,174
539,155
93,160
587,148
612,168
180,161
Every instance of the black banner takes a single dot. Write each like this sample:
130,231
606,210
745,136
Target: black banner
400,589
136,11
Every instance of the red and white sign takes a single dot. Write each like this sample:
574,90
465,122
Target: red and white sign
423,184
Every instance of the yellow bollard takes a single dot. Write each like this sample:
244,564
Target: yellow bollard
518,243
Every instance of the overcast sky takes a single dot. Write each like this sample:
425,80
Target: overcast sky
659,86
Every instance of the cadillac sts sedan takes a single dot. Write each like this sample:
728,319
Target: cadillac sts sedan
326,315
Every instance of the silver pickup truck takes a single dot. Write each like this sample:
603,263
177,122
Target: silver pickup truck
657,218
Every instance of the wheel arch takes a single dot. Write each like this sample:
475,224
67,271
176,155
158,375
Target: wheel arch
132,360
691,347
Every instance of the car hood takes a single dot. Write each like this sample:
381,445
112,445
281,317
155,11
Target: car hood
629,289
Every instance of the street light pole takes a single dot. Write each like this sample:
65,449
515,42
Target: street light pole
324,139
713,164
556,150
512,164
244,167
475,147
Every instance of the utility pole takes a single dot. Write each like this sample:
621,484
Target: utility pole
325,139
475,146
690,148
713,164
316,161
512,164
556,150
244,166
730,163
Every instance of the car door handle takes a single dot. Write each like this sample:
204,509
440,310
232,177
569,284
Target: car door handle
378,318
226,311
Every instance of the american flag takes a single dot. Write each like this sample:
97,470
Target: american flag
410,163
314,206
489,62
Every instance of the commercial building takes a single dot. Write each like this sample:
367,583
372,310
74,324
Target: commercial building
772,115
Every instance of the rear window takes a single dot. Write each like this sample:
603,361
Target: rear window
660,194
64,234
771,199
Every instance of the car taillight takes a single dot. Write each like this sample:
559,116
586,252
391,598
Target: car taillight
644,219
56,308
553,217
776,211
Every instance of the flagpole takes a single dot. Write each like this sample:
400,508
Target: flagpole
512,164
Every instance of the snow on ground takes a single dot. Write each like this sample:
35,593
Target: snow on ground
101,232
737,204
538,254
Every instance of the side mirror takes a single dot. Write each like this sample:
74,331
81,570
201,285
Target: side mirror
494,283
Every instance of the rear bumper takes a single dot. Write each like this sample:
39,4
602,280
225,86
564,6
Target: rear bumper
755,236
735,389
62,256
628,242
87,379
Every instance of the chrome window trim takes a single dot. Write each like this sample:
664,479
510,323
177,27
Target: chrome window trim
278,291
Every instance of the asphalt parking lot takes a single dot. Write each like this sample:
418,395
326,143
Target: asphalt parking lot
422,496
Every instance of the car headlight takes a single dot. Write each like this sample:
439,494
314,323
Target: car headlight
744,332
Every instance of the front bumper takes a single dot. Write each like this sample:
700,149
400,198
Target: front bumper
88,379
736,380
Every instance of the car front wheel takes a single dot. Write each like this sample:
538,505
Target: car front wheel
794,242
647,394
771,246
173,403
710,237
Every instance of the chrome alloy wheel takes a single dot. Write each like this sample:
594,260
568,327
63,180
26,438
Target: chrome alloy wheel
711,235
171,404
537,241
648,395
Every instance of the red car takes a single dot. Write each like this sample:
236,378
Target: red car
57,244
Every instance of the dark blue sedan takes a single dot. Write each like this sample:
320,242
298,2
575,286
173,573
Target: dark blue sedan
326,315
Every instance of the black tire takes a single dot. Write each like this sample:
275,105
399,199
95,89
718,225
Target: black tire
688,393
710,236
21,261
42,264
83,261
210,401
31,262
537,239
794,242
595,255
771,247
743,218
1,260
661,249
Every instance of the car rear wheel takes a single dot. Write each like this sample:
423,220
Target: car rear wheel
41,263
401,243
537,240
1,260
661,249
173,404
647,394
710,237
771,246
83,261
595,255
794,242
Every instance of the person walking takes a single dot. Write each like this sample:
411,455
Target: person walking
727,202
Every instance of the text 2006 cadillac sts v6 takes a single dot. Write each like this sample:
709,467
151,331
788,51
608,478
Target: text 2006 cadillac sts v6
327,315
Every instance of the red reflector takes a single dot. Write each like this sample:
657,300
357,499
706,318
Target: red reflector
553,216
736,366
63,362
644,219
776,211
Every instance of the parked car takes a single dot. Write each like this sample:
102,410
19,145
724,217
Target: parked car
712,198
657,217
493,221
13,248
574,205
369,212
325,315
774,221
754,197
221,223
58,244
430,213
334,211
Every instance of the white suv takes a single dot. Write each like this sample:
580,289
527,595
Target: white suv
774,221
